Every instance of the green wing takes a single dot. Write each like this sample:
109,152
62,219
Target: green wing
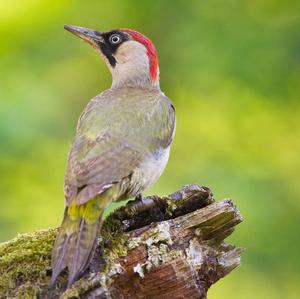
115,132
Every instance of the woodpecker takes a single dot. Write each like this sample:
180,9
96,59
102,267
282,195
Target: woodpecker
121,146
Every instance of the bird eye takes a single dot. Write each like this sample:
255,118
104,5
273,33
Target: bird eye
115,39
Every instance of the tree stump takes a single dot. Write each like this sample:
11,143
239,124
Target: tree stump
154,247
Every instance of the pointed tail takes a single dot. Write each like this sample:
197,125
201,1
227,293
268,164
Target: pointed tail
76,241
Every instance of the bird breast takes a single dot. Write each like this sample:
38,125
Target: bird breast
149,171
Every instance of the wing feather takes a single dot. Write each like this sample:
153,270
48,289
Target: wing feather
114,134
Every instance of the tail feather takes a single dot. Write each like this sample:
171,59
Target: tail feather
59,257
76,241
81,254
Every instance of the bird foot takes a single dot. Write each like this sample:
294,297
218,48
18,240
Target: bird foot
140,198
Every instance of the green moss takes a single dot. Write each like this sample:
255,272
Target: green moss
115,238
171,205
24,263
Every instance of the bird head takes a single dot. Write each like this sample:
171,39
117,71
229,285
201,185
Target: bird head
130,56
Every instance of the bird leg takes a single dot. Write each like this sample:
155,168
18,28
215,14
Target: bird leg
140,198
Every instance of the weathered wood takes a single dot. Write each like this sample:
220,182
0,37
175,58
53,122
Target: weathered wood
157,247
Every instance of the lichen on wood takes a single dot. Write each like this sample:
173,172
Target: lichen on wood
171,247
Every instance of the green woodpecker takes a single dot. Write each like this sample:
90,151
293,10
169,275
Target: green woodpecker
121,146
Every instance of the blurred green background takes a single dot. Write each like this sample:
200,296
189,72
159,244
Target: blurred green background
232,69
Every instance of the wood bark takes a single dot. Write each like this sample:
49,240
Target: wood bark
155,247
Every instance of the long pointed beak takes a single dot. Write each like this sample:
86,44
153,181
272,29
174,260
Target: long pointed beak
88,35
